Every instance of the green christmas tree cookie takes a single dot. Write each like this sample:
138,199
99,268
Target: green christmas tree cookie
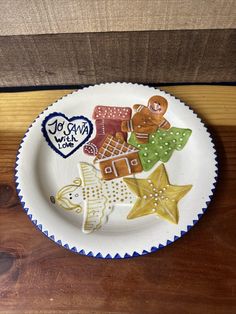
160,146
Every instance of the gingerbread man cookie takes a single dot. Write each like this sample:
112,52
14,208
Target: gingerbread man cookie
147,119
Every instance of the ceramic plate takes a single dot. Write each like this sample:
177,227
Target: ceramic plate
77,183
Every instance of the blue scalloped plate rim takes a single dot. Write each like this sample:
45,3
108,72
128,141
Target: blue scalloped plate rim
117,255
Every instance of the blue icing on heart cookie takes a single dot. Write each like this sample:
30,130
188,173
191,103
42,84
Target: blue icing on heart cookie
160,146
65,135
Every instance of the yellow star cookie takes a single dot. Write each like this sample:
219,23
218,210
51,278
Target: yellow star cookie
156,196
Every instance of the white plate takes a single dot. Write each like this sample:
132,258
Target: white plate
41,172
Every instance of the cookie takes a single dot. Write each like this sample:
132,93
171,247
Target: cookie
92,196
147,119
112,113
108,120
117,158
161,145
156,196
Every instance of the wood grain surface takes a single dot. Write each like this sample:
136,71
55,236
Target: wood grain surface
192,56
196,274
76,16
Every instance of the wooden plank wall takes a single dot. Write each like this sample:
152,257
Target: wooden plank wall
73,42
147,57
24,17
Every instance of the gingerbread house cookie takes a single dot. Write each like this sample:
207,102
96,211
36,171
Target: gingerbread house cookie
117,158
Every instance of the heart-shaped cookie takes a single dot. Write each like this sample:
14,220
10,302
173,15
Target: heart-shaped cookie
65,135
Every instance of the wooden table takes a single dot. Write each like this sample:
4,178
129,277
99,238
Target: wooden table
196,274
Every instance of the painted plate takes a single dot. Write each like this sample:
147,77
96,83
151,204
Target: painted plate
79,162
